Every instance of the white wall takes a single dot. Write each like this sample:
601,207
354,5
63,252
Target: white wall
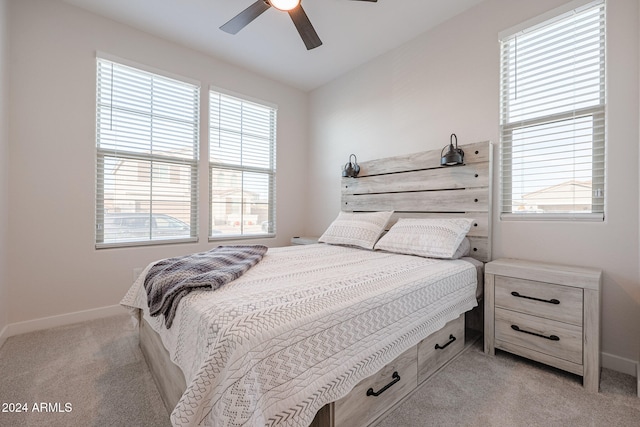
53,266
4,174
446,81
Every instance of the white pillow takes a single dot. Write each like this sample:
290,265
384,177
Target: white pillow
463,249
429,237
362,229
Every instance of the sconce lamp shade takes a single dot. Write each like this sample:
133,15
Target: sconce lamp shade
454,155
351,170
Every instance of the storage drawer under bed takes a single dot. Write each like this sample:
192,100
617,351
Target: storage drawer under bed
362,406
438,348
369,399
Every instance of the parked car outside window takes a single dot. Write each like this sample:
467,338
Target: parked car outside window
120,227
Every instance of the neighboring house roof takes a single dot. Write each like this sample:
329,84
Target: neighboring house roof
569,192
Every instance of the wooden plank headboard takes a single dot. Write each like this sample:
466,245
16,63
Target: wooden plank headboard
416,186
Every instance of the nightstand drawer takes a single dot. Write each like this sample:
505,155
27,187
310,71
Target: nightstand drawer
555,302
550,337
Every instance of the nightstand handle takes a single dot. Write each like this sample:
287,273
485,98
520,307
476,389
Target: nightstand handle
550,301
451,339
550,337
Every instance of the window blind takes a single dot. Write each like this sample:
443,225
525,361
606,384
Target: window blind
147,152
242,169
553,117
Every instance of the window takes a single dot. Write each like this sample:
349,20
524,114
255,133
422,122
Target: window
553,116
242,170
147,155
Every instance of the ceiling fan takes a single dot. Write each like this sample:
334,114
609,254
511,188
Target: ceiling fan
292,7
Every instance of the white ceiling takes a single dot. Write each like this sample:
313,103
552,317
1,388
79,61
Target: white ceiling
352,32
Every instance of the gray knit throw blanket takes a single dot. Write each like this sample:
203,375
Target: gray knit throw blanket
169,280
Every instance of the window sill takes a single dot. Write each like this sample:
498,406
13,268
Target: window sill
145,243
587,217
227,237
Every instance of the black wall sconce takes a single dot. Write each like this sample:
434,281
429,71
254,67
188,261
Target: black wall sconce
351,170
455,156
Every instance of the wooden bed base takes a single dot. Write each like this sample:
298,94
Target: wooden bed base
416,365
167,375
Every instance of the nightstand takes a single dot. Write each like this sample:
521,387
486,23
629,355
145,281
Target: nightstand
545,312
296,240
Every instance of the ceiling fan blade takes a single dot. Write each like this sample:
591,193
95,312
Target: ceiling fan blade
304,27
373,1
242,19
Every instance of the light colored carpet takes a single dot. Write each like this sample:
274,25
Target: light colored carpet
506,390
97,367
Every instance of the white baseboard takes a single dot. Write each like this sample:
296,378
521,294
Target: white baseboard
60,320
620,364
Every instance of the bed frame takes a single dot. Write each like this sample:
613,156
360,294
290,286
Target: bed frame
413,186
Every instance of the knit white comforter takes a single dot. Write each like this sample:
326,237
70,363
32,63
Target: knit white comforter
301,329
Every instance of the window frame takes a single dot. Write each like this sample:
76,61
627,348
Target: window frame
269,171
192,163
597,112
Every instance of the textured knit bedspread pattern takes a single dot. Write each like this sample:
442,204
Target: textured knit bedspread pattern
171,279
301,328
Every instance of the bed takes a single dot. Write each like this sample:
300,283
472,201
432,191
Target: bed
325,334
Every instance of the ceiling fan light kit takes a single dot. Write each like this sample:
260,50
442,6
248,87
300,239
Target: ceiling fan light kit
292,7
284,5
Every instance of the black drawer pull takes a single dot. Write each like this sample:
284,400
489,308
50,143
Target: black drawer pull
550,301
550,337
451,339
395,377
